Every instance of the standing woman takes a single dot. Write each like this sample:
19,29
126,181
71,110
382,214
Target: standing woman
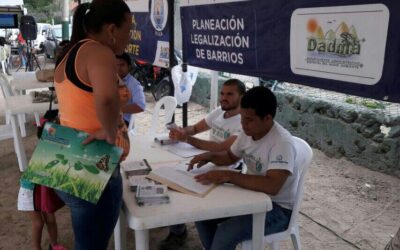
87,89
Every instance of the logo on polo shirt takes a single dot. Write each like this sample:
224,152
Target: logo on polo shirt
279,159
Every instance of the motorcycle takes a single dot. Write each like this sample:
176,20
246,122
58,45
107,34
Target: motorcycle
155,79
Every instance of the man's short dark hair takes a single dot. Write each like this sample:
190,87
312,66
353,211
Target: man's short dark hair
124,56
64,43
239,84
261,99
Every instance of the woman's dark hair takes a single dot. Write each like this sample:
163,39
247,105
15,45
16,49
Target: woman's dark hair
90,18
239,84
125,57
261,99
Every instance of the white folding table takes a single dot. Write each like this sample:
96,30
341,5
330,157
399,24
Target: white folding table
224,201
18,105
23,81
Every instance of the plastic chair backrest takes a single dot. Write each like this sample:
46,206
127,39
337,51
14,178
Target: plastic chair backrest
303,159
169,103
5,129
3,59
5,85
3,66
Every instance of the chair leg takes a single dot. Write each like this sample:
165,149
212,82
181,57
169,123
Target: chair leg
19,147
21,122
296,240
37,119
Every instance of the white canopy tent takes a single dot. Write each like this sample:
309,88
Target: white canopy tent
12,7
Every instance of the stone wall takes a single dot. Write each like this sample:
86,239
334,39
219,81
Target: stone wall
367,137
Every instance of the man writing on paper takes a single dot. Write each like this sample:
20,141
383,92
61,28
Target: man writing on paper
268,151
224,123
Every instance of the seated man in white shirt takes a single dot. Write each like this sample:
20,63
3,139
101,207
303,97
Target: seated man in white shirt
224,123
269,154
136,103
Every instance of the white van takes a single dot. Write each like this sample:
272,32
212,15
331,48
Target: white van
42,29
54,37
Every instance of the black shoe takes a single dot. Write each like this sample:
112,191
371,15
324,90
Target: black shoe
173,241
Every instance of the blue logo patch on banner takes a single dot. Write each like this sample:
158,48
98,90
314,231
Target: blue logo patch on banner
150,34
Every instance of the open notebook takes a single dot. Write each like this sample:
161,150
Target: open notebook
177,178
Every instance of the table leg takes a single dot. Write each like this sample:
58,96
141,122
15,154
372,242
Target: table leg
258,231
120,232
21,121
142,239
37,119
19,148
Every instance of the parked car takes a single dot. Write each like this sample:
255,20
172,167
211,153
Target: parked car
54,37
42,30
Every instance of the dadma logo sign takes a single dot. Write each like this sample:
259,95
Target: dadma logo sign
345,43
342,42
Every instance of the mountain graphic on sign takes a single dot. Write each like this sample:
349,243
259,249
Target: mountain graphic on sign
342,28
353,32
319,34
330,35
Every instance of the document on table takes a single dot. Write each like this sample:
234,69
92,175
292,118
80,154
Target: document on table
183,149
177,178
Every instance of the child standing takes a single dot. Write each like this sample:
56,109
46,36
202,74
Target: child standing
41,202
136,103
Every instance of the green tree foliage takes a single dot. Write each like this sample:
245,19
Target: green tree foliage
43,10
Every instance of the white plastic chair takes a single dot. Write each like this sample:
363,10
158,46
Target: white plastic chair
169,103
6,92
5,83
304,155
3,58
5,129
3,66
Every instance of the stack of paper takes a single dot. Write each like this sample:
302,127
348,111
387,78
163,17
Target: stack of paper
136,172
165,140
148,195
136,180
136,168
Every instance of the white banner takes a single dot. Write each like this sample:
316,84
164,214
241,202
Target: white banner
203,2
138,5
345,43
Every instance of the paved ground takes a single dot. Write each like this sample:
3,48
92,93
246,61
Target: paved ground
345,206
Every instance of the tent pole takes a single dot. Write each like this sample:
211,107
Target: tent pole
172,61
214,89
